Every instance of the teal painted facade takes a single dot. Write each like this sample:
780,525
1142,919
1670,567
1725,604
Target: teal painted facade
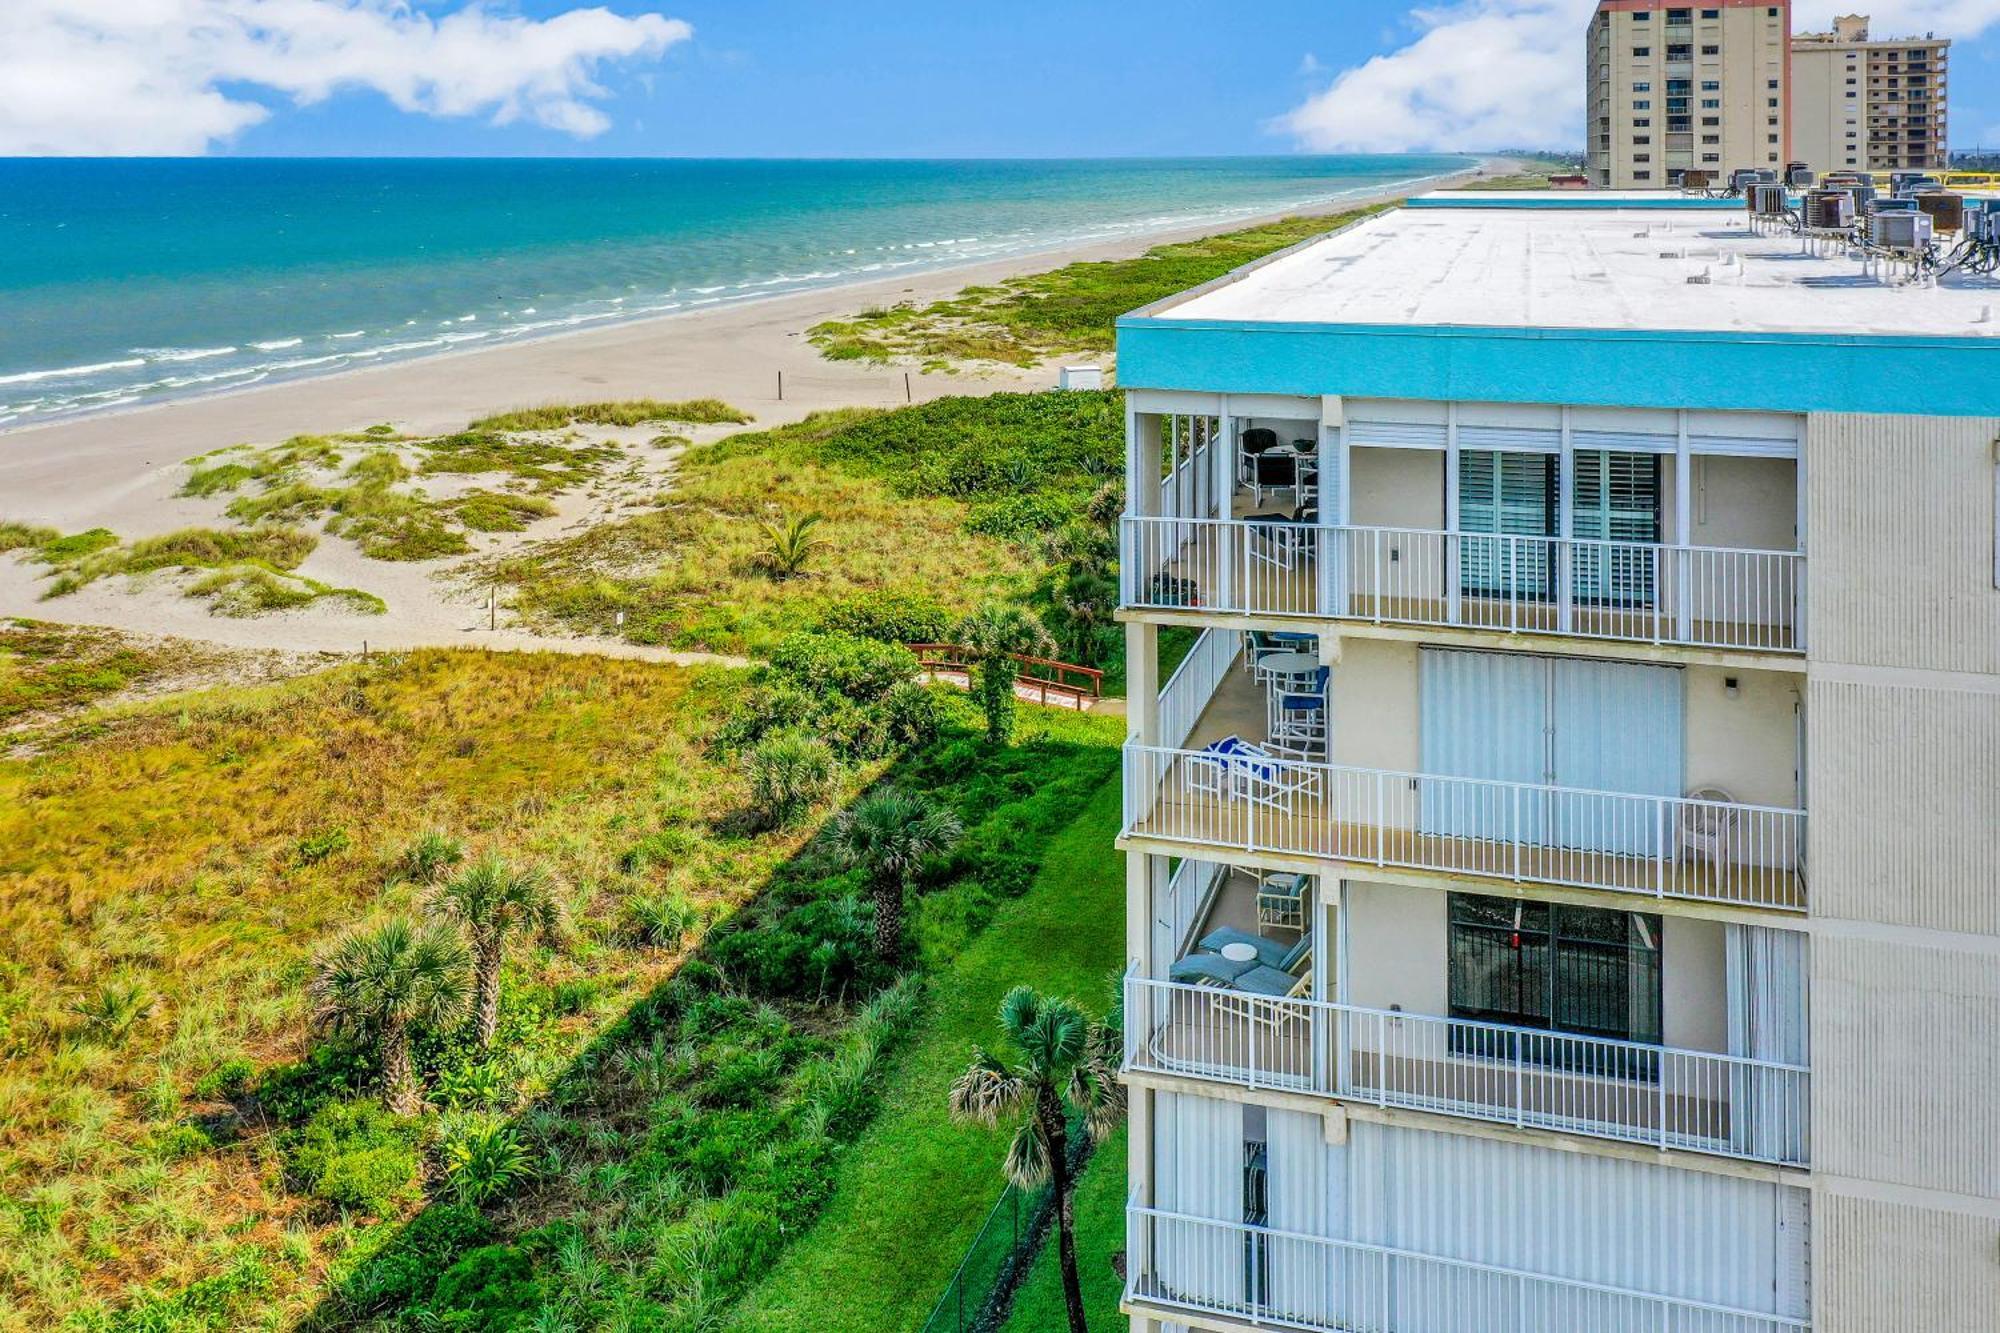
1778,372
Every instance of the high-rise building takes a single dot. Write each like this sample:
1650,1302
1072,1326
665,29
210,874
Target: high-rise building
1671,87
1862,103
1561,860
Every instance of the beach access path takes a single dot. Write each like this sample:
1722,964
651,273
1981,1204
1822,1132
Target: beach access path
122,470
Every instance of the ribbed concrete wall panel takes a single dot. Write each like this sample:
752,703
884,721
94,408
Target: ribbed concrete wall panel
1902,1042
1899,531
1881,1267
1904,789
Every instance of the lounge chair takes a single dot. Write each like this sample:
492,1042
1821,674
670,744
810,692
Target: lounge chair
1210,967
1270,953
1272,983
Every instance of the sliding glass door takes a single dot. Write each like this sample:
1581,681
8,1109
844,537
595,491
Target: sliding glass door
1517,495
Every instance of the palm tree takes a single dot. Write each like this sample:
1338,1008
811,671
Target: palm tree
993,633
889,834
493,902
385,982
791,543
1067,1063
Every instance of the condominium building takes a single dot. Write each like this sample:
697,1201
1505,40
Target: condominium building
1671,87
1562,795
1861,103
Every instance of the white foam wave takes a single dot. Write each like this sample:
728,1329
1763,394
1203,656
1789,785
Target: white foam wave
279,344
181,353
64,372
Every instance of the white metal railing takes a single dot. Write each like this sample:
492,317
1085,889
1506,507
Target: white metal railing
1267,1275
1708,596
1194,682
1663,1096
1659,846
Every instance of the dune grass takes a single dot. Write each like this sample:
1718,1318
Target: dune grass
631,412
947,503
913,1191
153,861
1066,311
47,668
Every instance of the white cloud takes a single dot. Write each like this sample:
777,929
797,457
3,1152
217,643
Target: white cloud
179,76
1509,73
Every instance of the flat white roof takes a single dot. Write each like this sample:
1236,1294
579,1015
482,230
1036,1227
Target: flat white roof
1585,268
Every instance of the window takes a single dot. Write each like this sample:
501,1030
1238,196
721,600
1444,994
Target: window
1642,175
1711,120
1711,13
1771,138
1642,87
1711,104
1642,17
1711,138
1711,157
1680,51
1771,102
1641,52
1711,85
1711,50
1680,15
1642,138
1550,966
1771,83
1641,104
1642,157
1641,122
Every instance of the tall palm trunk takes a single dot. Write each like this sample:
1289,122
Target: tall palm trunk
1055,1133
486,986
399,1080
888,918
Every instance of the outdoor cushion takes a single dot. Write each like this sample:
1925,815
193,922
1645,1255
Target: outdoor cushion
1262,980
1207,967
1270,953
1297,954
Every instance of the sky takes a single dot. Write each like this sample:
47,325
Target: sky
860,78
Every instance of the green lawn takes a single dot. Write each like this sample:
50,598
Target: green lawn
912,1192
1100,1233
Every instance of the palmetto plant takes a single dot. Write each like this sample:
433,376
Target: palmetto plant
790,543
992,633
1064,1063
493,902
889,834
382,984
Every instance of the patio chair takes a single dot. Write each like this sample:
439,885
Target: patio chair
1297,717
1273,774
1207,771
1281,900
1708,831
1276,470
1270,953
1278,540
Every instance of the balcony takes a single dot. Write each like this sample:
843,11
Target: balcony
1264,797
1697,596
1660,1096
1287,1279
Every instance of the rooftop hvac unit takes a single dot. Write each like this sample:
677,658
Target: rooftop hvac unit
1697,178
1910,184
1884,204
1767,199
1899,231
1798,175
1946,211
1744,177
1864,194
1829,210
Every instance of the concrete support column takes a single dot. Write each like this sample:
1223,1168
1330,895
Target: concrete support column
1565,526
1142,683
1451,553
1220,540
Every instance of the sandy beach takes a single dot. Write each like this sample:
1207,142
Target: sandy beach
122,470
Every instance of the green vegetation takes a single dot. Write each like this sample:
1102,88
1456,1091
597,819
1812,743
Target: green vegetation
250,570
1056,1064
24,536
645,1135
635,412
48,668
910,1195
929,511
1100,1236
993,634
1067,311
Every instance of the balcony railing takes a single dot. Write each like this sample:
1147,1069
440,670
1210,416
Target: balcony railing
1289,1279
1707,596
1665,1097
1658,846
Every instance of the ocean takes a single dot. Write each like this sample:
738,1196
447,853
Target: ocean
125,281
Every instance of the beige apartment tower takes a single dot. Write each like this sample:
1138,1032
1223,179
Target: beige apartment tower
1673,87
1868,104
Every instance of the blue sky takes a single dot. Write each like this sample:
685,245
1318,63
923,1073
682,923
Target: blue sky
864,78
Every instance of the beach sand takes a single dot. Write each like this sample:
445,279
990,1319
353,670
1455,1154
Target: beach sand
122,470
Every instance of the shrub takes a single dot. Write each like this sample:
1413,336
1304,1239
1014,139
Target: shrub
425,860
911,715
406,1266
483,1159
861,669
112,1010
227,1081
890,616
310,851
821,948
357,1157
493,1287
661,920
789,774
331,1070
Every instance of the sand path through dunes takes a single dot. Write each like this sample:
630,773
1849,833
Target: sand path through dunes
122,470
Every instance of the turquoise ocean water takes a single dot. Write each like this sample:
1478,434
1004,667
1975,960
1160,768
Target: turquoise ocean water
127,281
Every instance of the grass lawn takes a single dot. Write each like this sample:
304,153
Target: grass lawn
1066,311
1100,1233
914,1189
